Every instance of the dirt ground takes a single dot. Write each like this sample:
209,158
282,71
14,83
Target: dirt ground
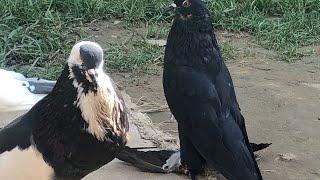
280,101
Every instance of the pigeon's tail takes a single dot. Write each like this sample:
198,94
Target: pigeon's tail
257,147
146,161
38,86
162,161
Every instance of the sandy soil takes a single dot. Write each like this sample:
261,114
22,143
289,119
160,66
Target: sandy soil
280,101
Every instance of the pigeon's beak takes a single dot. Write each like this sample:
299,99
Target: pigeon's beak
172,7
92,74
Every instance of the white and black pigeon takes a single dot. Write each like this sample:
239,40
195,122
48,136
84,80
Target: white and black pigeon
77,128
20,93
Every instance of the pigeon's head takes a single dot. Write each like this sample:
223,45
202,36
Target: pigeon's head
86,62
190,10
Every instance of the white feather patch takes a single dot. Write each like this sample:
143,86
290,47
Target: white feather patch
98,109
24,165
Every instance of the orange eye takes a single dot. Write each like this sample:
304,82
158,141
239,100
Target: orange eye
186,3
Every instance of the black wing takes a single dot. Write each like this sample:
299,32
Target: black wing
18,132
147,161
226,92
213,132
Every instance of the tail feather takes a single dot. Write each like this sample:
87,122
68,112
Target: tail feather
158,160
257,147
146,161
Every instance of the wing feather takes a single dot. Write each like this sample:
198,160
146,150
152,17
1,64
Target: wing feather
18,132
206,122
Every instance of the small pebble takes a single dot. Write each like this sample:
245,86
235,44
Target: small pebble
287,157
116,22
158,42
94,29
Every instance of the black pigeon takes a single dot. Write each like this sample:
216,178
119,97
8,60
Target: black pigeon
200,93
77,128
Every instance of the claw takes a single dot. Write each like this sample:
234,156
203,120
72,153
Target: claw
183,169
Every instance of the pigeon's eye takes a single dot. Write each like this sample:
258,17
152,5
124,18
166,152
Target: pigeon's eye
186,3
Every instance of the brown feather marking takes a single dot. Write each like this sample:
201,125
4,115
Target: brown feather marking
101,110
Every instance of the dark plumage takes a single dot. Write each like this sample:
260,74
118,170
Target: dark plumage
200,93
146,161
77,128
162,161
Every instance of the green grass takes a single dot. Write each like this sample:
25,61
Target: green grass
282,25
41,32
135,56
157,31
227,50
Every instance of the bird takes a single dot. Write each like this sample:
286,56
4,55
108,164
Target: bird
200,94
20,93
81,125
